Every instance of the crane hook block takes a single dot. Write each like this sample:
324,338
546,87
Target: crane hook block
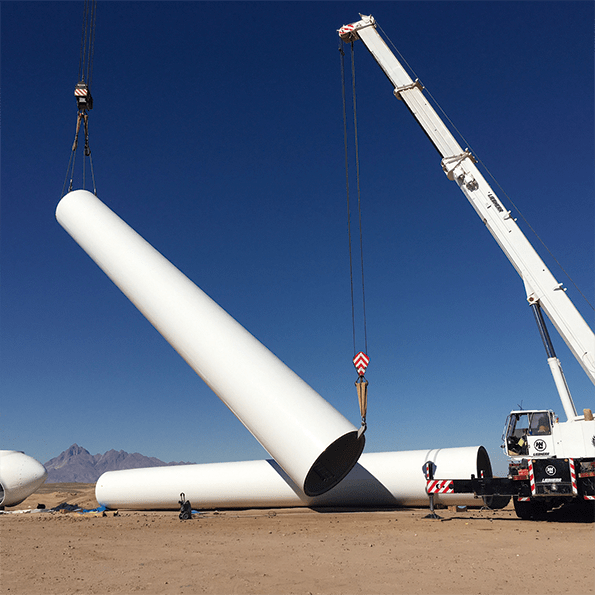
84,101
361,361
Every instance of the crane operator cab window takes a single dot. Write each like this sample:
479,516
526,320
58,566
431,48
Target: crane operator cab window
540,424
521,425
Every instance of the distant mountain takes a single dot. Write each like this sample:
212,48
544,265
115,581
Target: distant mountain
78,465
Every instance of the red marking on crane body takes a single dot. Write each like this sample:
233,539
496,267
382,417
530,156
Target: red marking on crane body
440,486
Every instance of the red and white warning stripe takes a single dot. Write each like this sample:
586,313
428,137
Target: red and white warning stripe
440,486
346,29
573,476
531,477
80,92
589,497
523,499
361,361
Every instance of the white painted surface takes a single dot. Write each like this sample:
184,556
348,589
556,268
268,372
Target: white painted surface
379,479
20,476
291,421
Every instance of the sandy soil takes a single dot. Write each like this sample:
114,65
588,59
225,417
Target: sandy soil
290,551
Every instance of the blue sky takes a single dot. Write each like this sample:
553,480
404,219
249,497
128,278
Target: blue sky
217,134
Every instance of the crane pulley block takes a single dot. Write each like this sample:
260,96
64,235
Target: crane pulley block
361,361
84,100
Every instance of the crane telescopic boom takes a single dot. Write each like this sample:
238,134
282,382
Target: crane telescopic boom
459,165
551,463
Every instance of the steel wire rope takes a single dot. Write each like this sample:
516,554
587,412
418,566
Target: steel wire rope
83,37
91,42
85,73
359,202
68,171
84,171
480,161
92,174
347,191
358,198
91,55
87,42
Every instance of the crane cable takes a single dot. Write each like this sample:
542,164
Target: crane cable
87,42
360,359
439,107
83,95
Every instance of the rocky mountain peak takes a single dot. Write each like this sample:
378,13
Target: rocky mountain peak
78,465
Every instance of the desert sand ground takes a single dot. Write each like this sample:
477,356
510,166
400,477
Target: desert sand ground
286,551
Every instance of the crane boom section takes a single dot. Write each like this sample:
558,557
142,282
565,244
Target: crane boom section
459,166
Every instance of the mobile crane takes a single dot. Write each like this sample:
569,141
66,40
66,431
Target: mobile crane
550,462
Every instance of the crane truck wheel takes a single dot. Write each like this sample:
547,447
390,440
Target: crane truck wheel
496,502
529,510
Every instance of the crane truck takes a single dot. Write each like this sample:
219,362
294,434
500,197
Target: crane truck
550,462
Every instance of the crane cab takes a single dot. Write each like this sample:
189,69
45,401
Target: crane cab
528,434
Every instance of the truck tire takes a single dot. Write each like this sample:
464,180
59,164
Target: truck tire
529,510
496,501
